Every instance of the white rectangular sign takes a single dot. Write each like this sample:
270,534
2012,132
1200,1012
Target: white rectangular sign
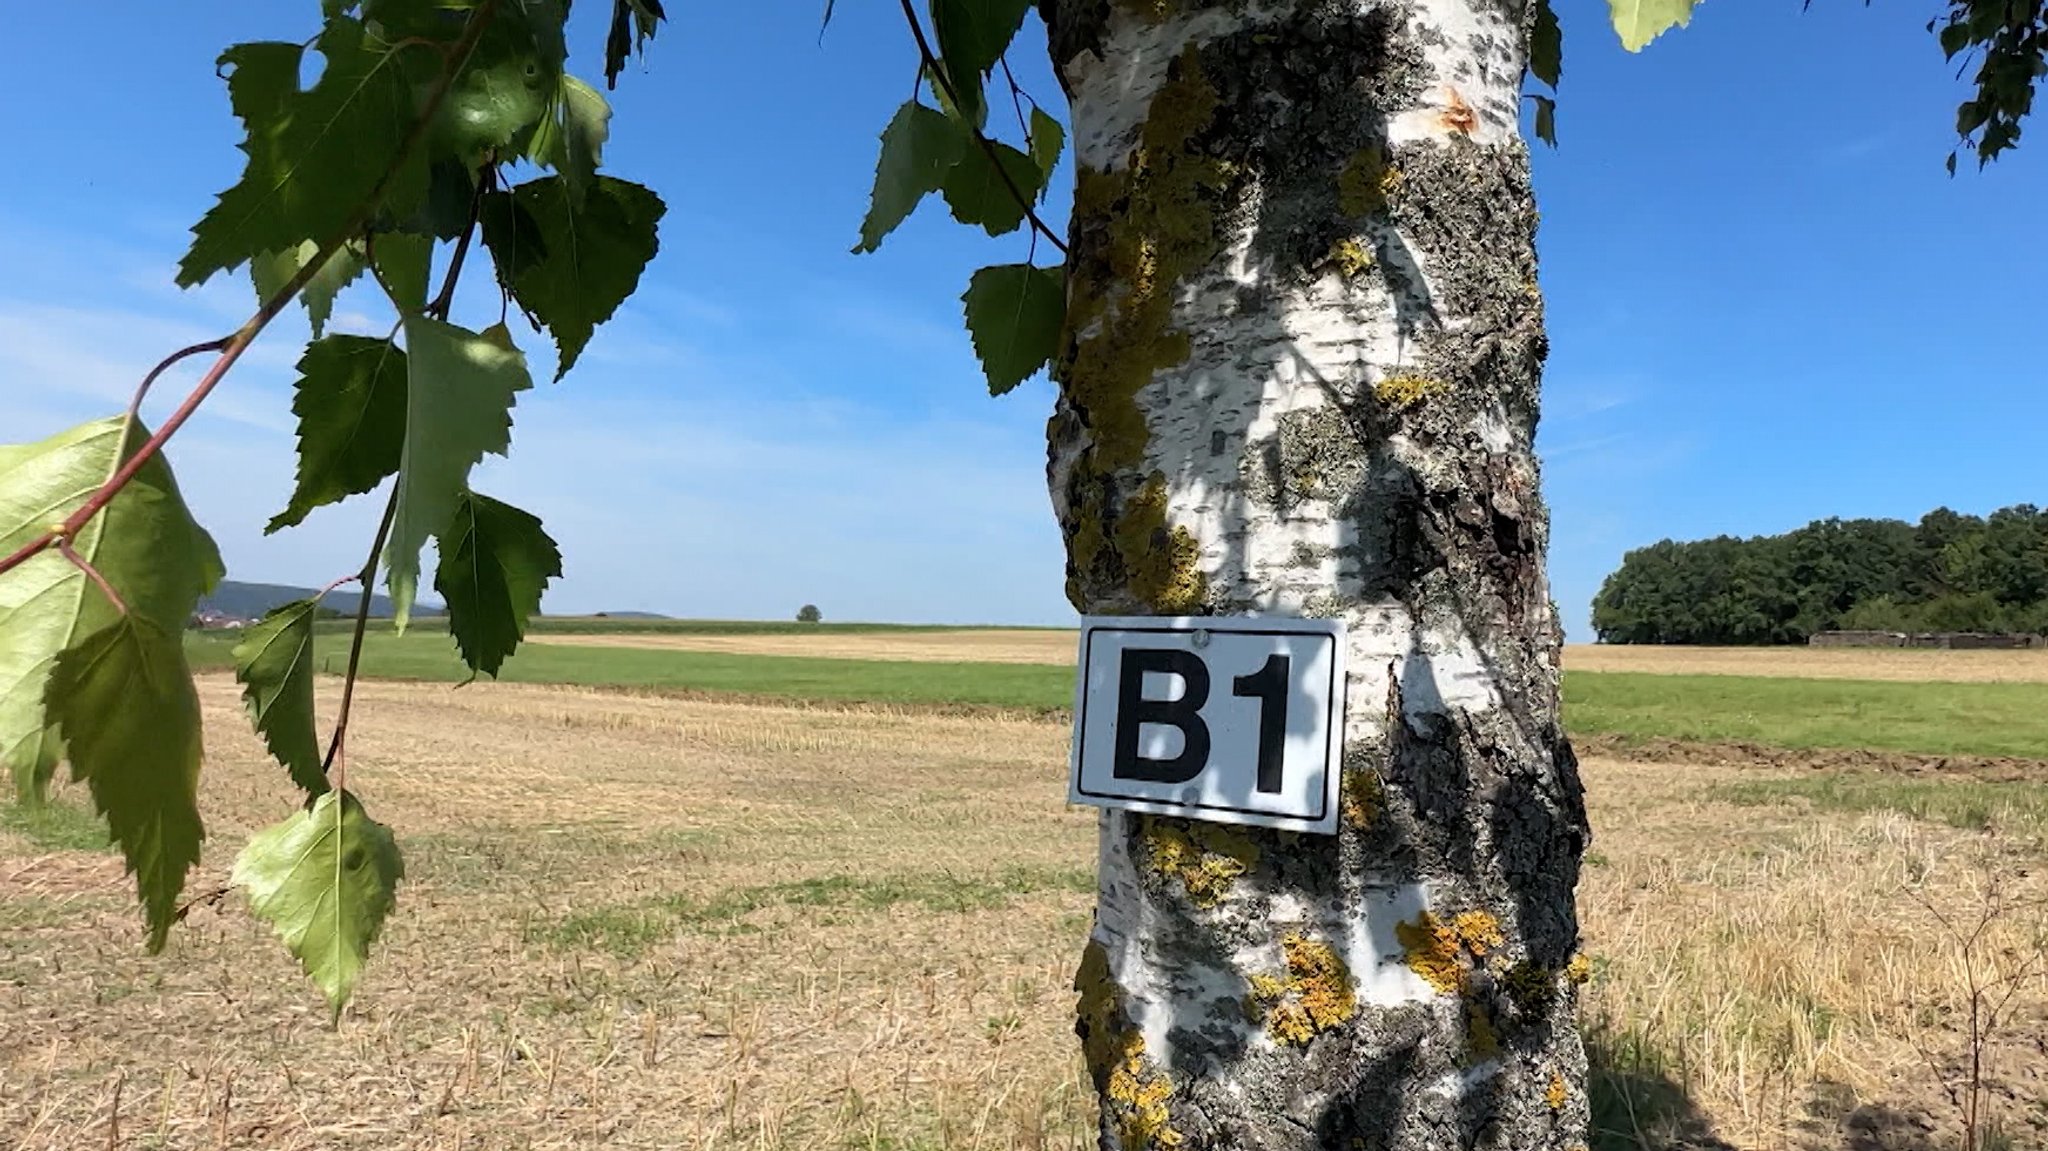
1227,718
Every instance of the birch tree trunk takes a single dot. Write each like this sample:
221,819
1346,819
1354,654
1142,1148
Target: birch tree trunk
1300,377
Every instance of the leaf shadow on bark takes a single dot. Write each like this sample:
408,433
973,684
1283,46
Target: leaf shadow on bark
1453,780
1482,805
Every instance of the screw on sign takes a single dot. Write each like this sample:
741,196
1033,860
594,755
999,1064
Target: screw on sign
1156,732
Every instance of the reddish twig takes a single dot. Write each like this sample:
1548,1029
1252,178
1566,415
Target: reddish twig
142,390
931,61
85,565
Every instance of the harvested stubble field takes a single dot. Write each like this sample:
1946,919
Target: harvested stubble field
641,922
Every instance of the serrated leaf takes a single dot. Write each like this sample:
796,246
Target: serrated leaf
404,264
123,701
1546,46
569,266
1546,119
1014,312
929,78
972,35
1048,139
274,665
144,542
459,393
495,563
351,402
325,880
273,270
571,137
977,194
919,147
1640,21
306,176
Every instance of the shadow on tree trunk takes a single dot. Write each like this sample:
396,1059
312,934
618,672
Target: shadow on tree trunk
1637,1104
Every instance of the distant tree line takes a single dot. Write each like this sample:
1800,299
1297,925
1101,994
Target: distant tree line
1949,572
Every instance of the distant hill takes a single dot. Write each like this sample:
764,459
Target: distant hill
251,600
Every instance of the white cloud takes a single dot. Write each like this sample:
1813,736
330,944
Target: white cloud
675,480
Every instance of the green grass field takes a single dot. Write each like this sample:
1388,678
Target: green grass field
613,625
425,656
1926,718
1989,719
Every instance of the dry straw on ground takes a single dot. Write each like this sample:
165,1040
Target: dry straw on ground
633,922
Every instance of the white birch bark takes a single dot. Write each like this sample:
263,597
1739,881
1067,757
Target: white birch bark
1301,378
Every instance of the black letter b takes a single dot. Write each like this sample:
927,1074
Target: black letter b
1133,711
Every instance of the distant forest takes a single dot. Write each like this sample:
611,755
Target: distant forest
1949,572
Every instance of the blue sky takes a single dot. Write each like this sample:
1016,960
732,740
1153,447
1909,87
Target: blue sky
1768,304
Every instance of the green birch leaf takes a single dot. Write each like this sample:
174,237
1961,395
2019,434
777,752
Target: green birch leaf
350,400
570,138
273,270
569,266
324,879
1048,140
919,147
1014,312
1640,21
306,176
929,78
977,194
1546,119
274,665
404,264
1546,46
144,542
495,563
972,35
459,394
123,701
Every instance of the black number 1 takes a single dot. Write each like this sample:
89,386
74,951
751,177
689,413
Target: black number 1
1269,686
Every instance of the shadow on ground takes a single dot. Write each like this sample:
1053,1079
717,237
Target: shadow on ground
1638,1105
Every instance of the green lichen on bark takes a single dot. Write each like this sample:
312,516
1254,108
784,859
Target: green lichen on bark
1139,231
1366,181
1133,1091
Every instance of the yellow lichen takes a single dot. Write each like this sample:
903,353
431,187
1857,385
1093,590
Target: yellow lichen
1366,182
1150,11
1558,1093
1403,389
1115,1054
1580,969
1361,799
1316,996
1444,953
1317,974
1204,857
1479,931
1350,257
